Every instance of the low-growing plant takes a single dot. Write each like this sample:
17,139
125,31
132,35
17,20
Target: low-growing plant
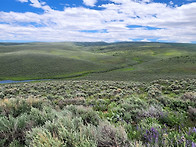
189,96
154,90
40,117
69,130
16,107
192,113
108,135
101,105
13,129
153,111
87,114
149,123
132,107
173,119
1,95
133,132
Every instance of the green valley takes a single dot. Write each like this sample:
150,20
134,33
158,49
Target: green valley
97,61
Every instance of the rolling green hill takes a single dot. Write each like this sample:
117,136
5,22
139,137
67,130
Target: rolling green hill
139,61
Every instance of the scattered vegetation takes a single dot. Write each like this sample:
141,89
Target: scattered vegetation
98,113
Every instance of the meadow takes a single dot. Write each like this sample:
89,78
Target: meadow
126,94
121,61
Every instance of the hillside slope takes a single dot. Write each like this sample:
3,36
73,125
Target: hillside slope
137,61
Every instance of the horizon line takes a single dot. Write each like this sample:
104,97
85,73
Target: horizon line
18,41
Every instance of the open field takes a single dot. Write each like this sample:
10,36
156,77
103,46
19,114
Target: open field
97,61
98,113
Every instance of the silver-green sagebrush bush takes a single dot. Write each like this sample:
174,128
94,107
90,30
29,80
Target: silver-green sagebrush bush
98,113
14,129
71,131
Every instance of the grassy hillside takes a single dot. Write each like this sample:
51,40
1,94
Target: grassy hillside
97,61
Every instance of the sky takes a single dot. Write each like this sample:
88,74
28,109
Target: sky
98,20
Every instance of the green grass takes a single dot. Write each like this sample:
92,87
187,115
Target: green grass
97,61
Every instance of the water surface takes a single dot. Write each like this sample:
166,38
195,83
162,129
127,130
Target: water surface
11,81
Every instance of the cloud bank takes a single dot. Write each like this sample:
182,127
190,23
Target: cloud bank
119,20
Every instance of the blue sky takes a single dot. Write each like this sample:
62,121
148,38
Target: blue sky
98,20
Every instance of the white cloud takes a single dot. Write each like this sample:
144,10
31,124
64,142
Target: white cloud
42,5
35,3
90,2
145,40
175,23
171,3
23,1
147,1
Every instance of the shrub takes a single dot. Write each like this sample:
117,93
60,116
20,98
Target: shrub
178,138
72,101
126,110
87,114
175,103
40,117
66,130
12,129
192,112
43,137
16,143
152,111
173,119
70,130
18,106
1,95
149,123
101,105
189,96
115,113
133,133
132,107
110,136
154,90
